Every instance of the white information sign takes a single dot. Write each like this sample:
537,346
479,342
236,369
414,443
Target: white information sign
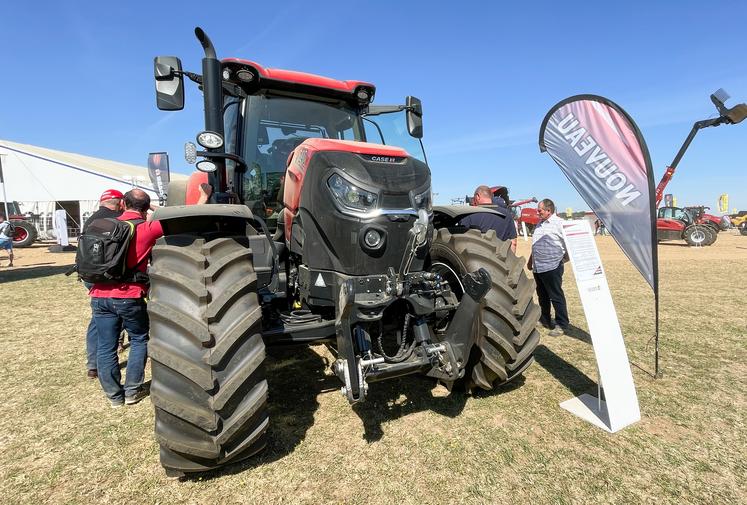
621,406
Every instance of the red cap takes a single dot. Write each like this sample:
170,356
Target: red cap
110,194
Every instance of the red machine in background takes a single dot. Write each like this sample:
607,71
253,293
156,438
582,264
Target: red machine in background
680,224
25,233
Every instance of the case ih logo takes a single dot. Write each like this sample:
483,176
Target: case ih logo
384,159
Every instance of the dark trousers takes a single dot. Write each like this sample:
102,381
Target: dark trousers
111,315
550,291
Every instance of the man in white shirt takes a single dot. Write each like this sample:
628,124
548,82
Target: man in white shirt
6,238
546,261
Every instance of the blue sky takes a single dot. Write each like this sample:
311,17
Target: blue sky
77,76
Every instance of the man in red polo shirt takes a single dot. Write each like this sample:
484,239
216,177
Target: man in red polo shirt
122,305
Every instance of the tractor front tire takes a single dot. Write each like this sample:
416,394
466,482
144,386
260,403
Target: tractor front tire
743,228
697,235
25,234
506,328
209,388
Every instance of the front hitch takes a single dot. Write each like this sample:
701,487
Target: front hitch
460,335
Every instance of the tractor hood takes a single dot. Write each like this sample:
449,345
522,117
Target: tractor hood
349,189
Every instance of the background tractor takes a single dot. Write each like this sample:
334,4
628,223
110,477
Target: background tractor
25,232
674,223
320,229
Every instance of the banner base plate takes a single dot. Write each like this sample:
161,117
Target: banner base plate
587,408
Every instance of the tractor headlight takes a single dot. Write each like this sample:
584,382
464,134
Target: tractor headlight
350,196
423,200
210,140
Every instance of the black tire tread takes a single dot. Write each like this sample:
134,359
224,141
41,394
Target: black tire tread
209,385
507,335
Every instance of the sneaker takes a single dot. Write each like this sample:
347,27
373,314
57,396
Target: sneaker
92,373
132,400
116,402
557,332
544,323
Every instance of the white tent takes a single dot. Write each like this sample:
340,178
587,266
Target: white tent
42,180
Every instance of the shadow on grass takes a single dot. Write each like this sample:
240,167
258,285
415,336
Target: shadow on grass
571,377
296,378
26,273
578,334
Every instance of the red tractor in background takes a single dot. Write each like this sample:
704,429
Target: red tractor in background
320,229
699,214
673,223
25,233
680,224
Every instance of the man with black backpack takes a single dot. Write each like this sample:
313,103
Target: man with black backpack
110,205
114,255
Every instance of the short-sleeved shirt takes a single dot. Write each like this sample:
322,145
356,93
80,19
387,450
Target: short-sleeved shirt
142,243
504,226
5,231
548,246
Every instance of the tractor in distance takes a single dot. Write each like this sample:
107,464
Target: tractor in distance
674,223
320,229
25,233
698,228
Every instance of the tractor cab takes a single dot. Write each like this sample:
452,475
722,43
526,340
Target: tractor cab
675,213
267,113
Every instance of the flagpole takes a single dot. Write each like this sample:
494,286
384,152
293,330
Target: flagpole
2,181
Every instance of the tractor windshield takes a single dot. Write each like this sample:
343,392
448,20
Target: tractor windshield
273,127
391,129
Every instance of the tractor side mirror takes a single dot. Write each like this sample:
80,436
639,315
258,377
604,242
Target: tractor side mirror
414,117
167,71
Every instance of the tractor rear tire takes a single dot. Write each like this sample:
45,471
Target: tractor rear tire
25,234
506,329
208,388
743,228
698,235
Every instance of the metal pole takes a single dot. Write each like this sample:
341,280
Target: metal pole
2,181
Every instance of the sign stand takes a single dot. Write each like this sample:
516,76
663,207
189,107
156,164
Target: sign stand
620,406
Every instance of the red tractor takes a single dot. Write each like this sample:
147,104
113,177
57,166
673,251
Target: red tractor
320,229
695,228
702,217
673,223
25,233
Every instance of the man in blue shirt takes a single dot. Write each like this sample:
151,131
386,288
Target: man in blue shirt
504,227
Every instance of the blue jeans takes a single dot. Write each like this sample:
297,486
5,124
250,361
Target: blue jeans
92,337
110,316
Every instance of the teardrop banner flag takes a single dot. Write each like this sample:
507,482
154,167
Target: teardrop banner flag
601,151
158,170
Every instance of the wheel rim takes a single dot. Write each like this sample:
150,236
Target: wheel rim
698,236
20,234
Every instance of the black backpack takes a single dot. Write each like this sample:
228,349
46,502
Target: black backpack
10,230
102,252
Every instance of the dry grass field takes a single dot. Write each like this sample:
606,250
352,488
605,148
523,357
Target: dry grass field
411,442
